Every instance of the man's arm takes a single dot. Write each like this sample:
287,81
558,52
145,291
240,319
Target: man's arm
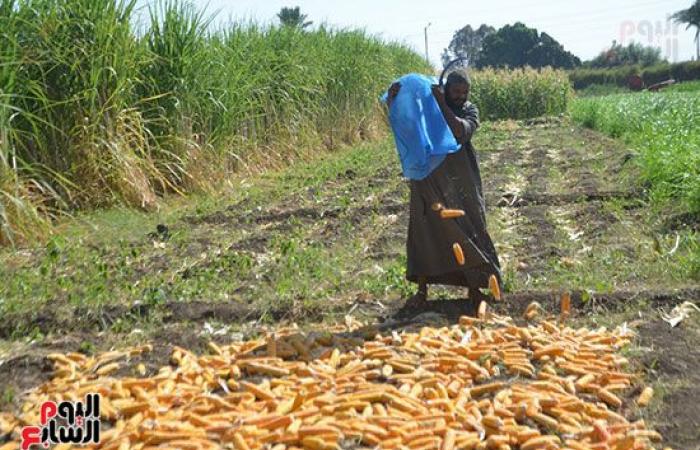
462,129
470,122
453,121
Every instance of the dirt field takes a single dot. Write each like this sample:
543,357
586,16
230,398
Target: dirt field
326,239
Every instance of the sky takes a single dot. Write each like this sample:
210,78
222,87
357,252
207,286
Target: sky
582,27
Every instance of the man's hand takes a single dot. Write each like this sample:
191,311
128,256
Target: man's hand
438,93
393,92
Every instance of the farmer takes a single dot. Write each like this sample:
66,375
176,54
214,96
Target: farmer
454,184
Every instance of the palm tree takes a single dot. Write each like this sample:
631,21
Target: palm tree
691,16
293,17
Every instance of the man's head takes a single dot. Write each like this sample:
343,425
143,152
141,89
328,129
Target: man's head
457,88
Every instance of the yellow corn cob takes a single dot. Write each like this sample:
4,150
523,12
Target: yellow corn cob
645,396
459,254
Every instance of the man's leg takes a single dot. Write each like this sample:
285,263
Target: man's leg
422,289
476,297
420,297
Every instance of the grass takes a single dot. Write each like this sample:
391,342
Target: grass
599,90
230,247
599,246
606,257
688,86
620,75
100,259
96,113
665,129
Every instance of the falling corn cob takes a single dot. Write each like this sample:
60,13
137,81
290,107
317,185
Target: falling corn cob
451,213
459,254
481,312
494,287
565,305
532,310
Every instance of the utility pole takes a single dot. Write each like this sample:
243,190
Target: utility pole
425,30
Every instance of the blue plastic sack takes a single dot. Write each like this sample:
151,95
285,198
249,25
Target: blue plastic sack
421,133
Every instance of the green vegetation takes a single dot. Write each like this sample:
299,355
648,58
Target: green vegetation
520,93
518,45
632,54
105,258
598,90
95,113
513,46
467,42
310,241
292,17
689,86
686,71
664,127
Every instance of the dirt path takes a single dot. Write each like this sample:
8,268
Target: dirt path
327,239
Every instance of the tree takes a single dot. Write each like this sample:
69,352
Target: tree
518,45
691,17
466,43
508,46
292,17
633,53
549,52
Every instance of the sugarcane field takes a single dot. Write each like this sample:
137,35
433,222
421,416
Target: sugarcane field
349,225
